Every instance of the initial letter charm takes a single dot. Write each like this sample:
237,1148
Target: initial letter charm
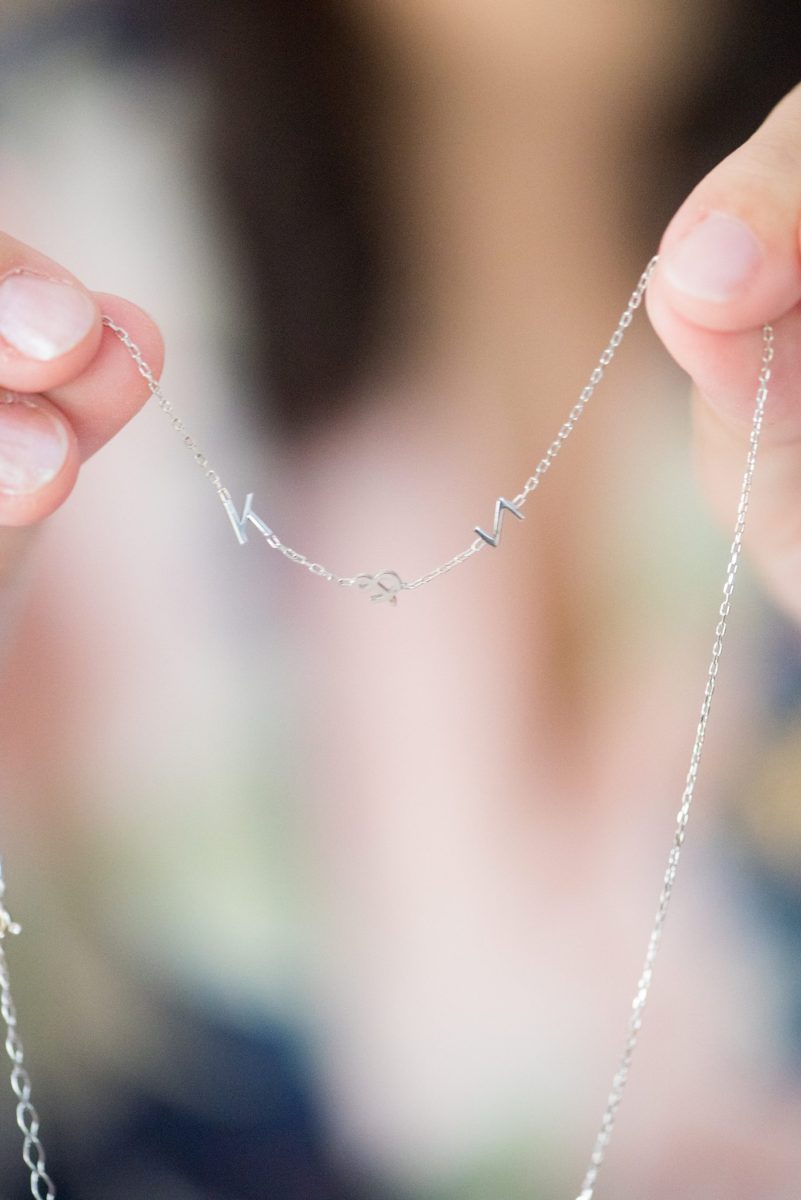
492,539
247,515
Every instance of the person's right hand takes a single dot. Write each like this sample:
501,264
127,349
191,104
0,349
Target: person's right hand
730,262
67,385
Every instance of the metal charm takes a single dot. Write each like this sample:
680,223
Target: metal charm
493,539
247,515
384,585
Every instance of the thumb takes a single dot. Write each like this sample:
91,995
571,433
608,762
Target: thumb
730,258
730,262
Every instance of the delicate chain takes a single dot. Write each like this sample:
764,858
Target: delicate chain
42,1186
644,983
168,408
165,405
386,584
533,482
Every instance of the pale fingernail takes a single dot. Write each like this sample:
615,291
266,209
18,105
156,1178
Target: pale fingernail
43,318
715,259
33,445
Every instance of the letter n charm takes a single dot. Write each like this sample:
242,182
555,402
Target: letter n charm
493,539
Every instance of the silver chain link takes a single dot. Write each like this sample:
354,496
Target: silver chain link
644,983
531,484
42,1186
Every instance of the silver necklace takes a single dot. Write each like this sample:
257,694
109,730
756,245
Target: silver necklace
387,585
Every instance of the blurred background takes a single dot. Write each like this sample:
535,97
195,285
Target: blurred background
324,900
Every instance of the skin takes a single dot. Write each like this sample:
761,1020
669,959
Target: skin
91,389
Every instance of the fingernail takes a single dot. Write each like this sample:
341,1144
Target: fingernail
715,259
43,318
33,445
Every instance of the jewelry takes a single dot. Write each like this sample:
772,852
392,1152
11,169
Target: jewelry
42,1186
386,585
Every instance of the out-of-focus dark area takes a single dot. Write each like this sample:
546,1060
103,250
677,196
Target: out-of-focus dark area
240,170
297,138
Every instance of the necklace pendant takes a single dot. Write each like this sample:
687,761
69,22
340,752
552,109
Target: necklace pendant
383,586
501,505
239,522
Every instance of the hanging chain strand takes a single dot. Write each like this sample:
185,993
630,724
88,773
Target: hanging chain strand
385,585
644,984
533,482
42,1186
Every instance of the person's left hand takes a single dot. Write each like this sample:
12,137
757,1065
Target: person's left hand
730,262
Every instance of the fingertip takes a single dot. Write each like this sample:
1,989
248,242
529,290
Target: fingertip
697,350
39,458
139,324
49,329
729,266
